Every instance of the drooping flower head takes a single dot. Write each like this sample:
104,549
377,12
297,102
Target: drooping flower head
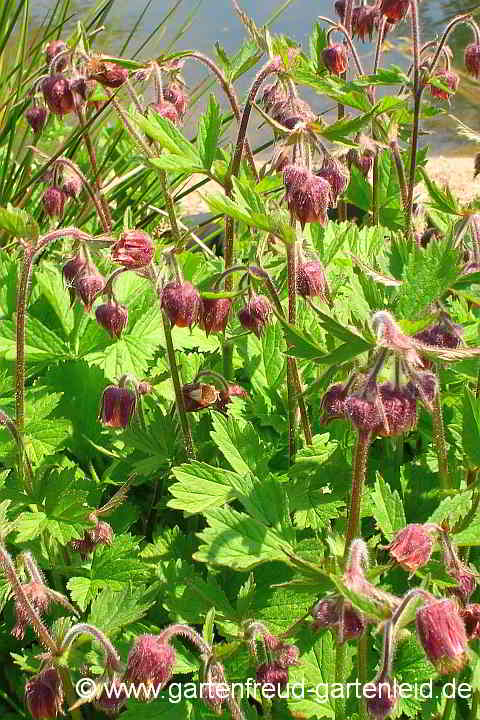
308,196
182,303
442,633
58,94
134,249
412,546
255,315
44,695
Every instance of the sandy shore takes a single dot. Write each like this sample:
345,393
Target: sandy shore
456,171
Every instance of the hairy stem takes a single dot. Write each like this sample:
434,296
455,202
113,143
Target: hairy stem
69,691
440,443
21,315
400,172
112,658
292,319
417,99
358,482
340,678
179,399
362,671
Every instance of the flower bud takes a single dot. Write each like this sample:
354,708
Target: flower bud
287,655
333,403
144,388
88,284
333,612
58,94
108,74
198,396
272,674
363,413
412,546
44,695
384,699
273,94
54,202
215,312
73,267
448,78
54,48
466,579
175,93
36,117
335,57
471,618
308,196
113,317
166,110
292,112
425,386
83,87
394,10
311,281
442,634
182,303
72,185
150,661
118,406
214,695
472,59
400,410
336,175
365,20
361,160
440,335
134,249
101,534
225,397
37,594
255,314
113,702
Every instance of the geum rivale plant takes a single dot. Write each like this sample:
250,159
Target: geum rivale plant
298,413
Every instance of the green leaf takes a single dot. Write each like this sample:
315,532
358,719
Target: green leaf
442,200
387,508
453,509
208,626
113,610
240,444
167,135
19,223
471,427
208,133
200,487
236,540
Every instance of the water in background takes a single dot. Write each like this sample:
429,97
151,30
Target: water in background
214,21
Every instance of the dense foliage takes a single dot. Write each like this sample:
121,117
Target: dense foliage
239,454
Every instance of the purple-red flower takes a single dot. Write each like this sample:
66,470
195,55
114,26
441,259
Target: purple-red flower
448,78
113,317
54,48
134,249
44,695
333,403
101,534
472,59
215,313
88,283
394,10
36,117
308,196
311,280
225,396
182,303
272,677
118,406
150,661
198,396
108,74
335,58
442,634
54,202
175,93
255,314
381,698
166,110
412,546
58,94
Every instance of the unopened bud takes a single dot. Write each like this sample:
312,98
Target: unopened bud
118,406
215,314
88,284
335,58
182,303
113,317
472,59
381,698
44,695
333,403
54,202
150,662
58,94
308,196
36,117
442,634
311,280
255,314
54,48
272,676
